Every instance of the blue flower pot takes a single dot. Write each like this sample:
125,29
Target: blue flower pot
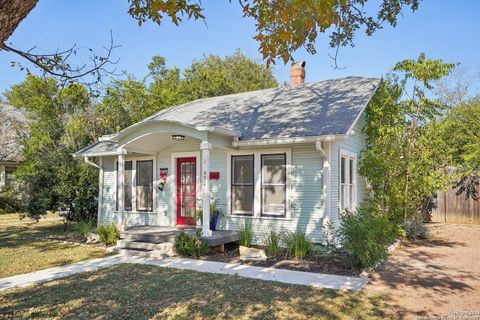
214,220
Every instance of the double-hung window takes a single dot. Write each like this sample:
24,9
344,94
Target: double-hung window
242,185
9,177
144,185
127,183
139,194
274,185
348,188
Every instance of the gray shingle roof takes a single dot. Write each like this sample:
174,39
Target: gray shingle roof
313,109
13,125
98,148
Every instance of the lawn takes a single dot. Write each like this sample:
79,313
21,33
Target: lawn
130,291
24,246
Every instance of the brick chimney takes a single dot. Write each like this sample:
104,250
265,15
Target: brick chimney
297,73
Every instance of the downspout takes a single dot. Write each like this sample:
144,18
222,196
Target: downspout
87,160
324,151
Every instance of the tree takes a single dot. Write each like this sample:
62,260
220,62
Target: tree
65,119
283,26
131,100
51,177
459,144
401,160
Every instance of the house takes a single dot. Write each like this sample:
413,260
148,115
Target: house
282,158
13,124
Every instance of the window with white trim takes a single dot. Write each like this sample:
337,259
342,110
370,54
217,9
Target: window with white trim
347,179
127,183
144,185
242,185
138,196
274,185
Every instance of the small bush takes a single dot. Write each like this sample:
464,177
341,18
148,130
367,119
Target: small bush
190,246
298,246
108,234
245,234
10,201
272,242
84,227
415,229
365,236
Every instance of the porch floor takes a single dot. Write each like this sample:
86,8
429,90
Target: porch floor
157,234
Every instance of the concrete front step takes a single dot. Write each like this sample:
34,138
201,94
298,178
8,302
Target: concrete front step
142,253
128,244
152,238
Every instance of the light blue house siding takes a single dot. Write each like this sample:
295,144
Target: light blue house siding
353,143
307,199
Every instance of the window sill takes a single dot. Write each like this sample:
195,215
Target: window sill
259,218
138,212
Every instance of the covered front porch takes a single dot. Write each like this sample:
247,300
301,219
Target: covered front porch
161,174
158,234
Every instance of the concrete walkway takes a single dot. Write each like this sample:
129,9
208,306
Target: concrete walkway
286,276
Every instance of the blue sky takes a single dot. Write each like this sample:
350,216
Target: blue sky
440,28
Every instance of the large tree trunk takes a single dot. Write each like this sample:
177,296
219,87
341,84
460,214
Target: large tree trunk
12,12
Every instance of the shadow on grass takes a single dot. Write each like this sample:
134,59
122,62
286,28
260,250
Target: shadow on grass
143,292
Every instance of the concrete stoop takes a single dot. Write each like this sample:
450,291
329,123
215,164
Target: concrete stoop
143,249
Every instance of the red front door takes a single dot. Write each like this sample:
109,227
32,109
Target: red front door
186,190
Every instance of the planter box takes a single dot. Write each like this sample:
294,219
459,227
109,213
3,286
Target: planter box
252,254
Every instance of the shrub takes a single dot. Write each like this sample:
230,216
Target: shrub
298,246
10,201
415,229
190,246
365,236
108,234
245,234
84,227
272,242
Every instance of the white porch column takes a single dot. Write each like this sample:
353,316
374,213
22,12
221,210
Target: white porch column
120,183
2,177
100,191
205,146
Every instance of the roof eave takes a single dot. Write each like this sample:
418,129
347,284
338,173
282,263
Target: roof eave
289,140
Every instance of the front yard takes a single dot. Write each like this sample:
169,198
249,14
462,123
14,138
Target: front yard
143,292
25,247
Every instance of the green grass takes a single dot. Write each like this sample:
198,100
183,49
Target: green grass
144,292
24,247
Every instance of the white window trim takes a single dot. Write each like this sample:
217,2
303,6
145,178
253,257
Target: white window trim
348,155
257,200
172,178
134,160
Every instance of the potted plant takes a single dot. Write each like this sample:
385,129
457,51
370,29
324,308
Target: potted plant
215,212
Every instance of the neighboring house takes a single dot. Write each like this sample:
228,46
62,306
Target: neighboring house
13,125
282,158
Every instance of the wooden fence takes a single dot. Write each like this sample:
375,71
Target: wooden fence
456,209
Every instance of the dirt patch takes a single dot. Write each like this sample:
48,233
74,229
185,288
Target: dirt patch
435,277
321,263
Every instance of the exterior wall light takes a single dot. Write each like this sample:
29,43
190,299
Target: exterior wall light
178,137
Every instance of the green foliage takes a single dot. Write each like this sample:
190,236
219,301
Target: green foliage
415,229
65,119
365,236
402,162
298,246
108,234
60,124
245,234
285,26
272,241
84,227
10,201
190,246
